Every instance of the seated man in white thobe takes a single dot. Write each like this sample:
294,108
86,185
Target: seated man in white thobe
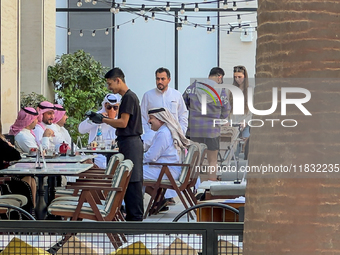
109,109
22,129
46,112
168,145
59,120
25,139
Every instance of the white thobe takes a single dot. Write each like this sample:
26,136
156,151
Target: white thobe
108,133
25,140
172,100
162,150
56,140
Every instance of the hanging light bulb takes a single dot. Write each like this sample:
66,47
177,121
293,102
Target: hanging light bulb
225,4
208,20
234,6
239,18
245,32
79,3
208,30
195,26
228,32
117,28
133,21
81,33
153,16
113,9
239,25
196,7
213,28
167,8
107,31
146,19
179,26
94,2
124,3
142,11
87,1
185,20
94,33
68,31
117,9
182,11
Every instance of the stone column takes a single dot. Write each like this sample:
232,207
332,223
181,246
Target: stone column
37,42
9,71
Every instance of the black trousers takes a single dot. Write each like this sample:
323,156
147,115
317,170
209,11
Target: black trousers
132,148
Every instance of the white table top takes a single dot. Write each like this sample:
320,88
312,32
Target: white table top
208,184
59,159
97,150
51,169
238,200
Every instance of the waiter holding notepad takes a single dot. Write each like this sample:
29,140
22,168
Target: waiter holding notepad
128,130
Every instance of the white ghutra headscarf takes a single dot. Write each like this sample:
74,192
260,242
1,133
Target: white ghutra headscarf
163,114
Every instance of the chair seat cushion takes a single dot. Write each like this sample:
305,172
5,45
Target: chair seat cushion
65,192
22,200
70,206
69,198
8,201
165,182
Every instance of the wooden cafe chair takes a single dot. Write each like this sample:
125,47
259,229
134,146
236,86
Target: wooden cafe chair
87,208
156,188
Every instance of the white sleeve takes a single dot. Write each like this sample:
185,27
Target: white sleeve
86,126
183,115
156,149
45,142
145,116
38,132
25,142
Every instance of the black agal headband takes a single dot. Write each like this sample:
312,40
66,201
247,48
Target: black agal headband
30,112
156,110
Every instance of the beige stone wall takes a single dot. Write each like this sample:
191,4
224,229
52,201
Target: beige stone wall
9,68
37,45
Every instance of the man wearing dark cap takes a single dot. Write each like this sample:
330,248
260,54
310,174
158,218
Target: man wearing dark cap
109,109
128,130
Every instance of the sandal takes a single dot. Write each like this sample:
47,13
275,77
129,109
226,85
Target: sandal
171,201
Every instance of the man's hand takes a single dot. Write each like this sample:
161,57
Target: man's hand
95,117
48,133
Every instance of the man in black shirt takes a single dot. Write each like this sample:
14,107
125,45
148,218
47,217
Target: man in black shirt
128,130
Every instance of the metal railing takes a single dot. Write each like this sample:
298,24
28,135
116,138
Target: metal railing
158,238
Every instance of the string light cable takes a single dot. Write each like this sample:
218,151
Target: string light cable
161,10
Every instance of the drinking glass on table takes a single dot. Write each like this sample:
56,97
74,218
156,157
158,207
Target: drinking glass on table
108,144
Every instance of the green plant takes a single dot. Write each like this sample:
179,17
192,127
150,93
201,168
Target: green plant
31,100
80,86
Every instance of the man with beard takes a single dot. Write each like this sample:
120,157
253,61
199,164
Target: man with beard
162,96
46,112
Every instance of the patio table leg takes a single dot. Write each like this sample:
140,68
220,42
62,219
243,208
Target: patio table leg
41,208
